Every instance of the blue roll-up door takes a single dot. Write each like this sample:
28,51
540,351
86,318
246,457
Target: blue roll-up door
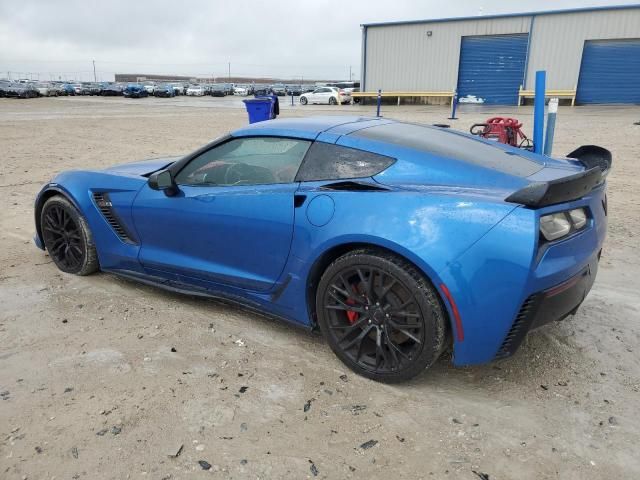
610,72
492,67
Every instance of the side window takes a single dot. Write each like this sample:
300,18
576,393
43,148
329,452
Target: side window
326,161
246,161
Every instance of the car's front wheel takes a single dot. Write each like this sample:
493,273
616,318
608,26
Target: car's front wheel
303,100
380,315
67,237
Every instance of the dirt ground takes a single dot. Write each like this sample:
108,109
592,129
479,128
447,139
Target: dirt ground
102,378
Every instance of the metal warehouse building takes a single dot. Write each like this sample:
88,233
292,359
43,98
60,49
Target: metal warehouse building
595,51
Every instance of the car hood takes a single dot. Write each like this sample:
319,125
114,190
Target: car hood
144,167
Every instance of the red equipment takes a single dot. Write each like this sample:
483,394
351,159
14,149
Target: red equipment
503,130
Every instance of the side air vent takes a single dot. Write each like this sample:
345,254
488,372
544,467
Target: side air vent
354,187
519,328
103,202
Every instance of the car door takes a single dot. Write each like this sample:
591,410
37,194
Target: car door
231,221
316,96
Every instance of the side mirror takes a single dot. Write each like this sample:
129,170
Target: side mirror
163,180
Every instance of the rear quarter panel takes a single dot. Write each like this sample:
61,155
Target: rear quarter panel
428,230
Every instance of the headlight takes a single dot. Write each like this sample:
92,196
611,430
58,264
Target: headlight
578,217
554,226
557,225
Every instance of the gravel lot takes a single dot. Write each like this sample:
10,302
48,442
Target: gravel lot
91,387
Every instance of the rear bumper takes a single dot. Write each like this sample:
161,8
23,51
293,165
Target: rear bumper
508,283
553,304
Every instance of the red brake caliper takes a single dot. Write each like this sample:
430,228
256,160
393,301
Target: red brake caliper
352,316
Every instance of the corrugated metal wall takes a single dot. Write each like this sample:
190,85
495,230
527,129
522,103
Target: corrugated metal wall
557,41
403,57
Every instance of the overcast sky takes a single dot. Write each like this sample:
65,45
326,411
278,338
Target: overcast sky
317,39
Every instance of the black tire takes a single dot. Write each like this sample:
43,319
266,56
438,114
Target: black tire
333,101
67,237
361,319
303,100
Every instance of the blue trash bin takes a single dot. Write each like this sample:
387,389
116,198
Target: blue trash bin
259,109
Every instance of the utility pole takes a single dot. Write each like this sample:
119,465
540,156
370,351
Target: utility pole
94,71
349,72
229,72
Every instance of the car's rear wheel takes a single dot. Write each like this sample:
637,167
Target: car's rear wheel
303,100
333,101
380,315
67,237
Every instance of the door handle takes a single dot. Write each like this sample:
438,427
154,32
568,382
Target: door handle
298,200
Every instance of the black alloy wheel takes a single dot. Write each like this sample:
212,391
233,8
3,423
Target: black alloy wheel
67,237
380,315
303,100
333,101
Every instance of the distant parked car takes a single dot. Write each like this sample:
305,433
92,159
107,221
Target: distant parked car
217,90
279,89
178,88
195,91
20,90
309,88
150,88
135,90
294,90
80,89
67,89
111,90
326,95
240,90
46,90
4,84
86,88
164,91
261,90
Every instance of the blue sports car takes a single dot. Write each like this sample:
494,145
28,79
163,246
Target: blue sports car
396,240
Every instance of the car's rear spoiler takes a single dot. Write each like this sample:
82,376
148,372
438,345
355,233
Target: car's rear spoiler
593,156
597,161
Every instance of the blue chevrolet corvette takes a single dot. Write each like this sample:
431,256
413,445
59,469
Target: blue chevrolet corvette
396,240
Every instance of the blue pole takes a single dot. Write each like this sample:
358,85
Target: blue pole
552,112
538,111
292,98
454,104
379,102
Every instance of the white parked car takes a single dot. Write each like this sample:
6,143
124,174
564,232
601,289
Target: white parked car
326,95
150,88
240,91
178,89
195,91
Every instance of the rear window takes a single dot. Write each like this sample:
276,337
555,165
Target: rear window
440,142
326,161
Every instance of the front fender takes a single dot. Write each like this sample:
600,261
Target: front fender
78,187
